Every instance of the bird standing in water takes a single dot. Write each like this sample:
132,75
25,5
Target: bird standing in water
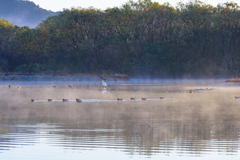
104,84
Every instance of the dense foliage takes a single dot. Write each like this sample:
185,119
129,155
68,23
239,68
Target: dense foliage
138,39
23,12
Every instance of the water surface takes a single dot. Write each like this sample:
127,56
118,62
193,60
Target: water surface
203,124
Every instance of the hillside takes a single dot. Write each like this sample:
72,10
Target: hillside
23,13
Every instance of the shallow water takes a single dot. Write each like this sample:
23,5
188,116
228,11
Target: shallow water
203,124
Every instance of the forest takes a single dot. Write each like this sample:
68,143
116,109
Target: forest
140,39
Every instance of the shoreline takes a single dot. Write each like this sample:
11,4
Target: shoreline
93,80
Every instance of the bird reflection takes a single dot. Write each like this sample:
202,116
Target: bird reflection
104,91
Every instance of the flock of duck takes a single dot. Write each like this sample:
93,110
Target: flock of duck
120,99
79,100
64,100
104,84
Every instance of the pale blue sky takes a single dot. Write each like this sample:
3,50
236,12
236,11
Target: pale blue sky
58,5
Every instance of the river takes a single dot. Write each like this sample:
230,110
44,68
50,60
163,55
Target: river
204,124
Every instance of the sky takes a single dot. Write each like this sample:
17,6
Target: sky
58,5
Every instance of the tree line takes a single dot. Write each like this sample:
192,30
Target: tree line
140,38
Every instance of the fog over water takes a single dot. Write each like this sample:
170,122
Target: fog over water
203,124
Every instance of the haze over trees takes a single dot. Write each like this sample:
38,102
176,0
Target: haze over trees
138,39
23,12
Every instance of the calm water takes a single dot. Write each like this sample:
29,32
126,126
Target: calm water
204,124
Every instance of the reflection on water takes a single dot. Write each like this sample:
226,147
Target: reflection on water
202,124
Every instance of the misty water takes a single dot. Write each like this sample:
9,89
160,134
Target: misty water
204,124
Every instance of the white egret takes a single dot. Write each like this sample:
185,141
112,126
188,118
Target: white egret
104,84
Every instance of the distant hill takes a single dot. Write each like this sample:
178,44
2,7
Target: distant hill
23,12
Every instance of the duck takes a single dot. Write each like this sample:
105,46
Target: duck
65,100
144,98
161,97
78,100
119,99
32,100
132,98
49,100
